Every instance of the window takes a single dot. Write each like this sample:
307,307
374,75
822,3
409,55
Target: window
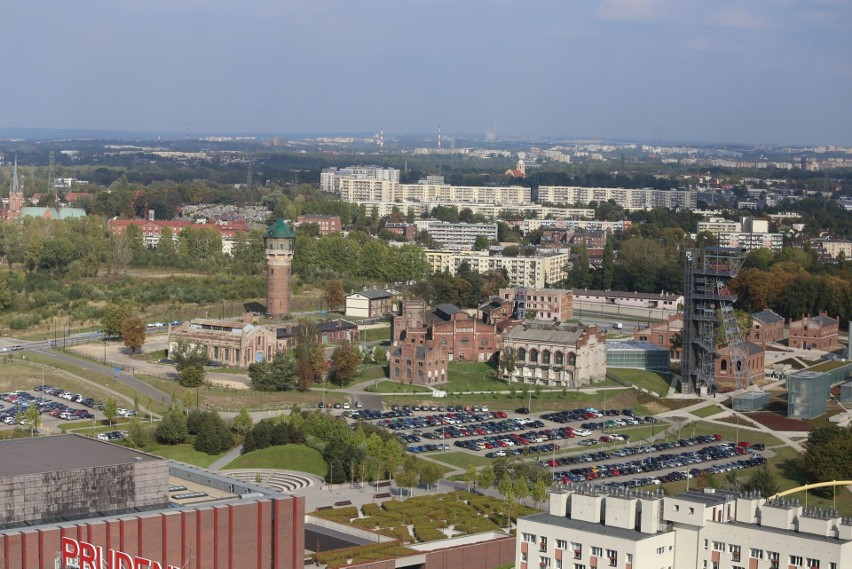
705,543
597,551
579,566
524,557
718,546
545,357
530,537
796,560
561,544
577,548
812,563
557,358
756,553
558,564
542,546
534,356
572,359
544,562
629,557
613,557
734,550
677,508
661,550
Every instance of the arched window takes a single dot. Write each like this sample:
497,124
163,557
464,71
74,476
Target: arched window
443,341
572,359
545,357
534,356
484,341
464,342
724,365
396,372
419,375
407,374
557,358
522,355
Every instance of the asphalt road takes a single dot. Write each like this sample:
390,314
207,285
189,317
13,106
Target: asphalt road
121,376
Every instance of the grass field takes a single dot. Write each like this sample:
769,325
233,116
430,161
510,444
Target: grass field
396,387
794,363
652,381
828,366
472,376
284,457
708,411
377,334
462,459
183,453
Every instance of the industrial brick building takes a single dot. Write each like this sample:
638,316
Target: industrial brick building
815,333
767,326
72,501
565,355
548,304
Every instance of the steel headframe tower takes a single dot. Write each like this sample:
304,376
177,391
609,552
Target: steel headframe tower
708,299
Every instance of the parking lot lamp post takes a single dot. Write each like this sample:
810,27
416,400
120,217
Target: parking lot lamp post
529,401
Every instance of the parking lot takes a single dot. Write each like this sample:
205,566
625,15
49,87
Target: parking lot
55,405
495,434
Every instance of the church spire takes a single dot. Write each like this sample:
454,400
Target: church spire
16,185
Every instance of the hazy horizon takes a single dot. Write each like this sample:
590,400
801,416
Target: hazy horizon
726,72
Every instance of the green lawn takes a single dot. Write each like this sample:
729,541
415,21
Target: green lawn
792,362
472,376
707,411
183,453
396,387
377,334
284,457
462,459
828,366
651,380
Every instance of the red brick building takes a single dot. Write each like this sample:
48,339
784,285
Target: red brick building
426,340
724,374
327,223
496,310
662,334
815,333
407,230
767,326
220,523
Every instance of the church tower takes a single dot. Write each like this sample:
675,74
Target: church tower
279,241
16,196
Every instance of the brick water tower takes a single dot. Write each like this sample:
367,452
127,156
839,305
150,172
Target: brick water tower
279,241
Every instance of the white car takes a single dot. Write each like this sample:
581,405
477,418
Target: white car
346,406
582,432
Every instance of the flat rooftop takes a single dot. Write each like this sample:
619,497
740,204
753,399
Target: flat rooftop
63,452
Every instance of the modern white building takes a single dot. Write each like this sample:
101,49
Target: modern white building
456,236
359,190
330,176
629,198
719,225
540,271
711,529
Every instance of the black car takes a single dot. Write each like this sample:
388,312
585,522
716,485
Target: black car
522,411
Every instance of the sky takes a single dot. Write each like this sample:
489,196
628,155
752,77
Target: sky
724,71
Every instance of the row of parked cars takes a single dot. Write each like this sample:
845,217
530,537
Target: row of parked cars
713,452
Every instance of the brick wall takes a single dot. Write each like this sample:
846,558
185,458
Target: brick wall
265,534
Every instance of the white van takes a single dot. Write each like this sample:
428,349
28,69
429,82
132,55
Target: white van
617,325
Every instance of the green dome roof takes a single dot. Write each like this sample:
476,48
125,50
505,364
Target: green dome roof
279,230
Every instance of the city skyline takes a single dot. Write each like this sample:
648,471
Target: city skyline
726,72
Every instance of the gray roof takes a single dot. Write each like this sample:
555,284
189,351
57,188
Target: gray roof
767,316
63,452
622,294
374,294
447,309
589,527
824,320
550,335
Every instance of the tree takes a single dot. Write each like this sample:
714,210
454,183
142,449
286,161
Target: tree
429,473
607,265
137,434
480,243
522,489
470,477
827,454
507,360
186,355
538,492
242,422
192,376
110,410
507,489
32,418
172,429
310,361
345,362
486,477
113,319
133,333
333,294
580,276
763,482
276,375
214,435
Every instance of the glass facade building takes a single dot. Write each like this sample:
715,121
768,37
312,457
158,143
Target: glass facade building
637,355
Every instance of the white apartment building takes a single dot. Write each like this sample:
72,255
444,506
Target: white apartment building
629,198
752,241
456,236
718,225
591,224
713,529
538,271
330,176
